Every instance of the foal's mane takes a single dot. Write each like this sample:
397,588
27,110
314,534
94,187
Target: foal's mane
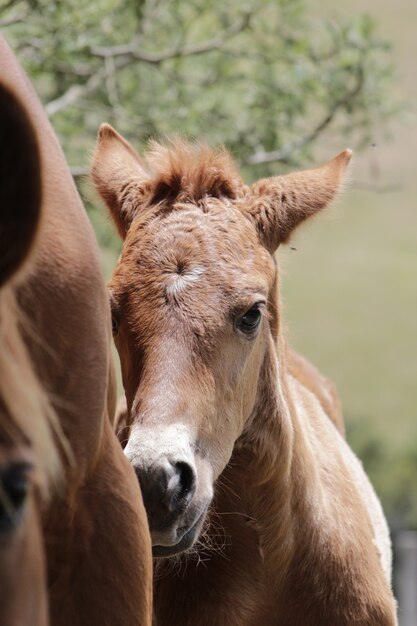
181,170
26,413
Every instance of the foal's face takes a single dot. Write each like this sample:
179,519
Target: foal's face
190,314
190,304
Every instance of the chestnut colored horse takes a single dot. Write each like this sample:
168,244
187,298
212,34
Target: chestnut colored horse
95,530
239,463
29,462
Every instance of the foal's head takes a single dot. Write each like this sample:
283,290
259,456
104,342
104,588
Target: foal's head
192,309
27,450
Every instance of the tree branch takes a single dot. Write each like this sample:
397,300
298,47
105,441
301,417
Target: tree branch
9,4
131,51
13,19
74,93
283,155
111,83
125,55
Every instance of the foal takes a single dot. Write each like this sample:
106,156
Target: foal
98,552
237,459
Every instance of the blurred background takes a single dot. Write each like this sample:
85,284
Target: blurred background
283,84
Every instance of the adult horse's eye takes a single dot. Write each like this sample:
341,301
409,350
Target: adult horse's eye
115,322
250,321
14,487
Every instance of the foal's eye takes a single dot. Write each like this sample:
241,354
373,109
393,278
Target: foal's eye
14,487
250,321
114,325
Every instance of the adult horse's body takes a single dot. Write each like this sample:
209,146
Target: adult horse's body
29,459
95,530
233,446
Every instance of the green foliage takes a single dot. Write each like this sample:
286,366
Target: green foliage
393,475
257,76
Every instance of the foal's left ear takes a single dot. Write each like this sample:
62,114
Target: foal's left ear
279,204
118,176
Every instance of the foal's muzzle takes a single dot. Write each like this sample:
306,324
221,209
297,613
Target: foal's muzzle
167,489
176,484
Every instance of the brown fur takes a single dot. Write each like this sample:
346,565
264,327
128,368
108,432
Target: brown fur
27,421
323,388
183,171
280,204
294,534
26,407
95,530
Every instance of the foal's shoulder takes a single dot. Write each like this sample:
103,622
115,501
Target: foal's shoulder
323,388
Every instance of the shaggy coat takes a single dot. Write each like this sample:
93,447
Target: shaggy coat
259,512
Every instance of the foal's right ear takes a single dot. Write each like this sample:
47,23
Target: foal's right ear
119,177
20,184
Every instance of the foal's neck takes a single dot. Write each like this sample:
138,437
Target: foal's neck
272,469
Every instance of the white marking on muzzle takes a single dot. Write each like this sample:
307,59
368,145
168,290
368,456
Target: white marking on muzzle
147,444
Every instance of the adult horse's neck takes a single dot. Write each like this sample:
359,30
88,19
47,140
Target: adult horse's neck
65,299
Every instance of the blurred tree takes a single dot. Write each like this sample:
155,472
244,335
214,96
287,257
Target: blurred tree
392,472
261,77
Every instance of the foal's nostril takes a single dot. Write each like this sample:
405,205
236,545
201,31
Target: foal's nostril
186,483
181,486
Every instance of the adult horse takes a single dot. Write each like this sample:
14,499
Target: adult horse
29,462
95,529
230,448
